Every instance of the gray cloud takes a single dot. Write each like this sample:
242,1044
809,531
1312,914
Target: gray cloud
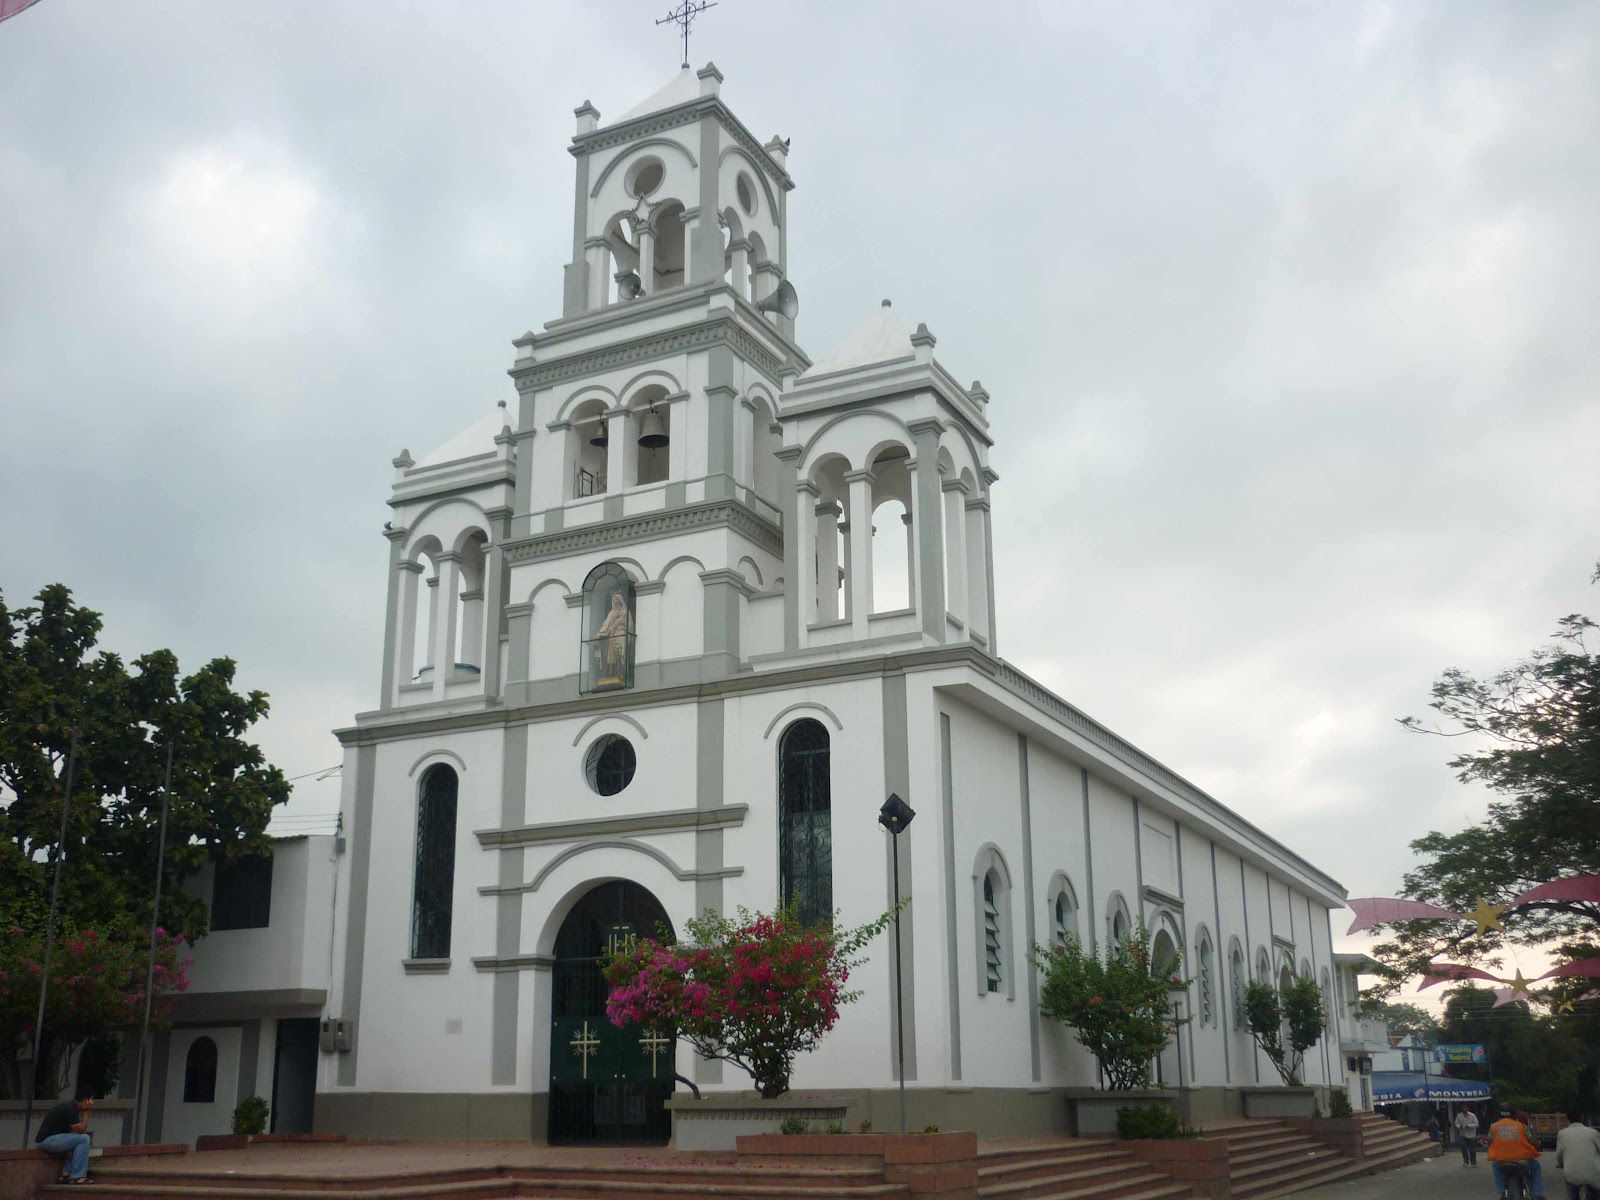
1288,314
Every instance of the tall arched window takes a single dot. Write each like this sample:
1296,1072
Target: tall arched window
1238,977
1208,981
994,966
1063,911
805,822
991,923
434,883
1119,925
200,1072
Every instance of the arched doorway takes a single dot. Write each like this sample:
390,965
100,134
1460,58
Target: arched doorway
606,1084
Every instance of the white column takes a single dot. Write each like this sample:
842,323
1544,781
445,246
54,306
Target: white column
911,556
741,267
827,533
647,258
860,549
676,410
472,628
744,447
803,528
598,255
405,662
433,618
617,447
955,549
444,629
977,569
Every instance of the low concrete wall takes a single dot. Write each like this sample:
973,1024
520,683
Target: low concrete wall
1279,1102
721,1122
500,1116
1091,1112
1202,1163
111,1122
24,1172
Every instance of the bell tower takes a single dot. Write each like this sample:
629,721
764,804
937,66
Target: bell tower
676,192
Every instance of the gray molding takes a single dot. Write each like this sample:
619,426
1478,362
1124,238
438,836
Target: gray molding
719,329
156,1097
585,847
686,113
506,963
813,706
1161,899
897,780
426,966
1220,950
638,728
947,830
710,753
677,820
391,616
1088,863
648,527
505,996
249,1057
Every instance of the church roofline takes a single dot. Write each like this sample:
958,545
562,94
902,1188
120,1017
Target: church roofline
872,384
1224,825
623,132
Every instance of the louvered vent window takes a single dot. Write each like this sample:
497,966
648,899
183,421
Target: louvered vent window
1061,921
1238,990
991,935
1208,997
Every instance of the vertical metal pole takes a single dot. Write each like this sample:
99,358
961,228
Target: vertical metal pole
150,968
49,939
899,994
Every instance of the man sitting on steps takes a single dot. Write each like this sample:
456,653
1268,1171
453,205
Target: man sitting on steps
65,1130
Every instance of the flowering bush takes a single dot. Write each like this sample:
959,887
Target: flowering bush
752,990
1121,1007
97,980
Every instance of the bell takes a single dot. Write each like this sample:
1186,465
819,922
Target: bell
653,431
601,437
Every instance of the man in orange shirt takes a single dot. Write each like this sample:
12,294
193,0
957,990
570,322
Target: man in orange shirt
1508,1143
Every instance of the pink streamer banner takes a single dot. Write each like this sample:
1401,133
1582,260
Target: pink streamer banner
1451,972
10,8
1576,887
1371,910
1582,968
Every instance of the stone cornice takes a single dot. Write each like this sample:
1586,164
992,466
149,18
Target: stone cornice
647,526
720,329
729,816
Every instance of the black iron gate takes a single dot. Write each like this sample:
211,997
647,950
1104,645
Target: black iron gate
606,1084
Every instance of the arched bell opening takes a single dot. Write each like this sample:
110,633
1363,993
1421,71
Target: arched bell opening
765,442
647,455
892,534
471,580
607,1084
831,564
588,449
668,260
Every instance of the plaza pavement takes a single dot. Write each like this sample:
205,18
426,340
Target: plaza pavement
1434,1179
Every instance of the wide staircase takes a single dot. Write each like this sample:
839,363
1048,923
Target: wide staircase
641,1181
1271,1158
1072,1169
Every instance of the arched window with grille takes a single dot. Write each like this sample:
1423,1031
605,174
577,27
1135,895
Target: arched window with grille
1063,910
993,968
434,883
991,902
1119,924
1207,979
805,821
1238,976
200,1072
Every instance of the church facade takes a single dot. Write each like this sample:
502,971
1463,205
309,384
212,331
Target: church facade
663,638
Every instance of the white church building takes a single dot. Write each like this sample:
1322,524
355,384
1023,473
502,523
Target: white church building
663,636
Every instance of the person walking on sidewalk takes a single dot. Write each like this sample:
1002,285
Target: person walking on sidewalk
1466,1126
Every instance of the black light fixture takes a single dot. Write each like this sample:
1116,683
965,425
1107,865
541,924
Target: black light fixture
895,816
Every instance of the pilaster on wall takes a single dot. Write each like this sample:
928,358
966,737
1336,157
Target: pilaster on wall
788,467
928,513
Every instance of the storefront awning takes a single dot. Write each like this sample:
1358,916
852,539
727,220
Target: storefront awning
1389,1087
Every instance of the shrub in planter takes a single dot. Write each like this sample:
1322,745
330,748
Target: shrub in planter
1285,1025
1120,1008
1139,1122
754,990
251,1116
1339,1105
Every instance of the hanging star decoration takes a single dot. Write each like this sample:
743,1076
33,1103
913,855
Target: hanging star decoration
1487,916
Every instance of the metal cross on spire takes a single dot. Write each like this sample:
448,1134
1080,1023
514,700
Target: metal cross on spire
684,16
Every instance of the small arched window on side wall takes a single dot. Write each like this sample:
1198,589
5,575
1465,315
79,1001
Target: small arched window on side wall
991,880
805,821
1207,978
1238,976
200,1072
610,623
1119,924
1063,911
433,885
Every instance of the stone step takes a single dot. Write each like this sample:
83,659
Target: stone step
1014,1171
1134,1183
1066,1147
566,1187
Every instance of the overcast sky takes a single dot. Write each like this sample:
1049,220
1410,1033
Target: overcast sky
1288,313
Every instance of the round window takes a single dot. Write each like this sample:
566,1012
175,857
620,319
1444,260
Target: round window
609,764
644,176
745,188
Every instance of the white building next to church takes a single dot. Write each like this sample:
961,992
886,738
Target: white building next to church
664,636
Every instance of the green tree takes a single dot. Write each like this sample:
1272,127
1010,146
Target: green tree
1543,1063
1120,1006
52,680
1285,1024
1402,1019
1535,732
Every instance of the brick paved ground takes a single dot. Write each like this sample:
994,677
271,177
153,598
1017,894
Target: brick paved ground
1434,1179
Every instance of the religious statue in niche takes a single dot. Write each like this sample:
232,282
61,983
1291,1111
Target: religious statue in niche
609,621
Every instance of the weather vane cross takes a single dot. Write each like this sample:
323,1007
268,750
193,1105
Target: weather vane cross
684,16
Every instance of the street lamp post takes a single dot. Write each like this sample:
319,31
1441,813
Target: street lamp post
894,816
141,1090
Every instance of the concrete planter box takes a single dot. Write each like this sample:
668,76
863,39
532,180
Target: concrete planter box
717,1122
1093,1113
1279,1102
1337,1133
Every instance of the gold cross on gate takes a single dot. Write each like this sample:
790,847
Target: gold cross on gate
620,943
585,1045
654,1044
